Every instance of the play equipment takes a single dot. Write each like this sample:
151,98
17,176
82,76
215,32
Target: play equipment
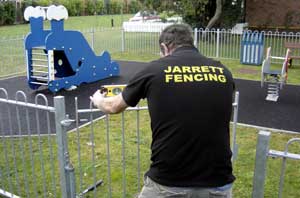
275,79
61,59
252,48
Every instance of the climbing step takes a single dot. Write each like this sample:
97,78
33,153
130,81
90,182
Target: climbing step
38,83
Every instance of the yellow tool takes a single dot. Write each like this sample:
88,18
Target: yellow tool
112,90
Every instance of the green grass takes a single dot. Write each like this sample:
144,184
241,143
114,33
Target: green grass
243,167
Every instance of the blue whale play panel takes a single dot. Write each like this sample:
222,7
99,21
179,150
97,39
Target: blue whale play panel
58,58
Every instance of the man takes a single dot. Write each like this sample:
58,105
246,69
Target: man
190,101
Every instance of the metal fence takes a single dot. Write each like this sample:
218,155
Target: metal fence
262,153
215,43
104,157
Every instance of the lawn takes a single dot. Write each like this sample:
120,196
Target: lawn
87,170
93,162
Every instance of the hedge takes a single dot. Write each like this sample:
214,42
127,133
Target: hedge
8,13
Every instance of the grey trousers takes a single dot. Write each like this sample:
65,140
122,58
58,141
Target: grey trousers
152,189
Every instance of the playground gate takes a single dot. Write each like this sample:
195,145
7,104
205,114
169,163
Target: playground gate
41,157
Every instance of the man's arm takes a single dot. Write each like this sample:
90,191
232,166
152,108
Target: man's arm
109,105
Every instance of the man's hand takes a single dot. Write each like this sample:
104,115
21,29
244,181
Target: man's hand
111,105
98,99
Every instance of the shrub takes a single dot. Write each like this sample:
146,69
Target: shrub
134,7
75,7
115,7
93,7
7,13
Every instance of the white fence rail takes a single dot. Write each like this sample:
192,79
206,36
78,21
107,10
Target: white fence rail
215,43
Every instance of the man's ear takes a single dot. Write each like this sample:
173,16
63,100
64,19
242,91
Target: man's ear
164,49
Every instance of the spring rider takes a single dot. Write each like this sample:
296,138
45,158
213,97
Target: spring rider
274,78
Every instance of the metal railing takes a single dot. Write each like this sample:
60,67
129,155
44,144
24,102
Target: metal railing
215,43
262,153
107,156
27,159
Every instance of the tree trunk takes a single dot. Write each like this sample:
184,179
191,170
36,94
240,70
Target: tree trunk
216,17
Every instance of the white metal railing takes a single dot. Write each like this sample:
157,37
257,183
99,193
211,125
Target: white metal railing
215,43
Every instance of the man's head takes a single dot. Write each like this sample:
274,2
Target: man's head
175,36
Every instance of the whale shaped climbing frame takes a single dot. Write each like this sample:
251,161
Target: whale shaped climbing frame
58,58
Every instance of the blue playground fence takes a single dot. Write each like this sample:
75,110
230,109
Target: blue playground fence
252,48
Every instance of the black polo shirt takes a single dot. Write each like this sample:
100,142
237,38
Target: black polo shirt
190,103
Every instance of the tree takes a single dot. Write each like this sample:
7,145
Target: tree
218,13
196,12
201,13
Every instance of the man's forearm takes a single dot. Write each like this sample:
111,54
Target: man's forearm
111,105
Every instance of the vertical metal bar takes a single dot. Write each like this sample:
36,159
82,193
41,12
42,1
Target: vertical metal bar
33,175
62,143
50,146
78,144
195,37
71,178
262,149
281,181
13,149
93,38
40,147
123,40
283,166
60,113
93,148
108,156
21,141
5,149
218,43
138,149
207,40
123,157
235,118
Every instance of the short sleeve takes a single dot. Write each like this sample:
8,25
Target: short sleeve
137,88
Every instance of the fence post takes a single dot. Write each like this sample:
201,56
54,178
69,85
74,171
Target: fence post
67,178
262,150
123,40
235,117
218,43
196,37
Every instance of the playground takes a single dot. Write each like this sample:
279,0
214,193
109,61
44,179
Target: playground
253,110
96,148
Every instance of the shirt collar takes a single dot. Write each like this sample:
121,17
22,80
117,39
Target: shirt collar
185,48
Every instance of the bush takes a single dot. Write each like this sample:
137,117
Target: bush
75,7
44,2
99,7
7,13
93,7
115,7
134,7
